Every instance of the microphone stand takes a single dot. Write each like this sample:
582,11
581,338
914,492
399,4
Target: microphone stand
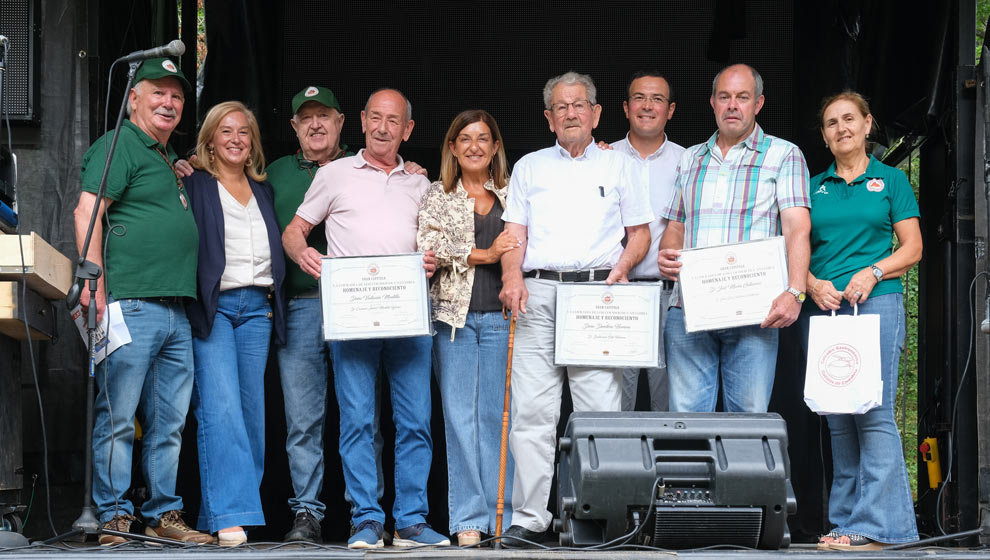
90,272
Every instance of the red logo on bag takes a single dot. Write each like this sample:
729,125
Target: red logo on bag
839,365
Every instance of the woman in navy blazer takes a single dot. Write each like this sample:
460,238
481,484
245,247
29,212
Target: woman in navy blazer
240,301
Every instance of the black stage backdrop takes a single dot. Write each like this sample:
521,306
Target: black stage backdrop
448,56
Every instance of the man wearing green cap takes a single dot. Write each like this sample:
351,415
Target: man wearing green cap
150,270
303,362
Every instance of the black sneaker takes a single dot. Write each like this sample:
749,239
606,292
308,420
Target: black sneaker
305,528
535,538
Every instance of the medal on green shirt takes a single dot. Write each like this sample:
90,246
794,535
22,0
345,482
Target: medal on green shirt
178,179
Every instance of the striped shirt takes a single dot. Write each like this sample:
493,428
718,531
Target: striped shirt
738,197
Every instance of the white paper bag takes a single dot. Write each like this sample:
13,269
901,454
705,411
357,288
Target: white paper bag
843,373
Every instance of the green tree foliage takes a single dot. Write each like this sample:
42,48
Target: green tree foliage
906,407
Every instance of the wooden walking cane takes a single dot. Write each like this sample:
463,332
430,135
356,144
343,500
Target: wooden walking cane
503,450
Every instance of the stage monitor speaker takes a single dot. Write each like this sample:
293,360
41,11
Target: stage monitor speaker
711,479
18,23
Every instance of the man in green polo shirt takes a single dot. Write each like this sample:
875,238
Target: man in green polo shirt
150,269
303,361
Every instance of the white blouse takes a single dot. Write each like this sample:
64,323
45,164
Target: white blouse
249,258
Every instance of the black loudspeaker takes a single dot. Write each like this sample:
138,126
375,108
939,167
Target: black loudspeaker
711,479
18,23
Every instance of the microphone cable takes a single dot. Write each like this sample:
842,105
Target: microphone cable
27,327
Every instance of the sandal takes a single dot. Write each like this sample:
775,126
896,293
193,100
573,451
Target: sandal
855,542
827,539
468,538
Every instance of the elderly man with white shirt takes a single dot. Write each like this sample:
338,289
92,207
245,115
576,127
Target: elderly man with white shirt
649,106
570,206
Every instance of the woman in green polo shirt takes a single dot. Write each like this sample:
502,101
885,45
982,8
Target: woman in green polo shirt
857,205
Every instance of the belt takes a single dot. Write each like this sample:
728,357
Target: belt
570,275
667,284
308,294
165,299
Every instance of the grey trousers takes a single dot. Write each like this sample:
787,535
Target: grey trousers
659,386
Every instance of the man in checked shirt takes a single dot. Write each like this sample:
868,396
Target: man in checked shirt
741,184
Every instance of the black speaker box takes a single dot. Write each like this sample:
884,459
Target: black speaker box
685,480
18,23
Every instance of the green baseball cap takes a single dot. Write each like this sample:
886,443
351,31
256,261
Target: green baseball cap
155,68
321,95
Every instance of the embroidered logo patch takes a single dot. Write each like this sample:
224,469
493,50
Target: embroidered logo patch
839,364
822,190
874,185
169,65
311,92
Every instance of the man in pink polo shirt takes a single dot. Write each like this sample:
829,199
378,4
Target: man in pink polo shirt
370,205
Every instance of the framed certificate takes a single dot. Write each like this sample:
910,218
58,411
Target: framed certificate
731,285
383,296
607,326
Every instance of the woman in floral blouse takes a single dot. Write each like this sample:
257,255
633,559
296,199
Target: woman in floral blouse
460,220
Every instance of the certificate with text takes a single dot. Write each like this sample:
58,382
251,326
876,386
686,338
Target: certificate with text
731,285
374,297
607,326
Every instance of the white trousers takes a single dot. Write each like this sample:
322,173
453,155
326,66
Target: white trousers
537,385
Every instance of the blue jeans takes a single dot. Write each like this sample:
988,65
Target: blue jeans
150,378
229,402
406,362
471,373
304,363
745,356
870,493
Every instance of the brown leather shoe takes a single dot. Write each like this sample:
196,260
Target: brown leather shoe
171,526
120,523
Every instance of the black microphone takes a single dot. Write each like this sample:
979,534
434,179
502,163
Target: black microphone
72,298
175,48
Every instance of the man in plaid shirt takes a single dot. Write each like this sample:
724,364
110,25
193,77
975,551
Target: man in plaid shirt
741,184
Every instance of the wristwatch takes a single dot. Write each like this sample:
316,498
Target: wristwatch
798,296
877,273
